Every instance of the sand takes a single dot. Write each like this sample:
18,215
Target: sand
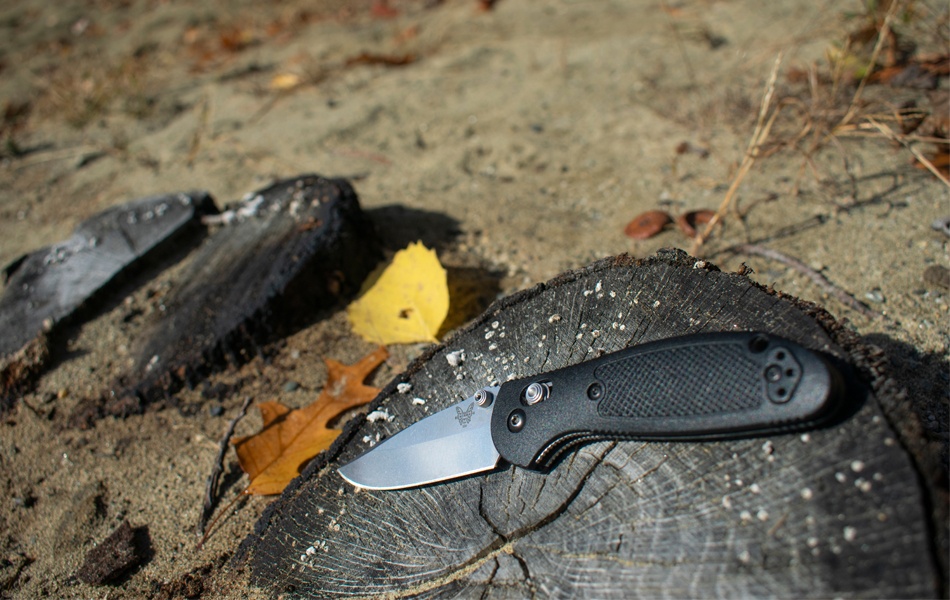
530,134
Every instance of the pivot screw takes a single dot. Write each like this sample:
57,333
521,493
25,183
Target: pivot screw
484,398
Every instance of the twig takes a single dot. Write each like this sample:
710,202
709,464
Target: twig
817,278
762,127
211,491
890,134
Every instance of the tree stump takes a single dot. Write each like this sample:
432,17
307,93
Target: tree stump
832,512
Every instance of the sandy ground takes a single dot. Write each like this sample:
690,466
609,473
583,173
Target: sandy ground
533,132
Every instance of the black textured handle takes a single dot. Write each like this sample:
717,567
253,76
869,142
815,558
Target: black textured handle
693,387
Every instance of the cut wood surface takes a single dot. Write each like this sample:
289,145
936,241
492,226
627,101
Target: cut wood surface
832,512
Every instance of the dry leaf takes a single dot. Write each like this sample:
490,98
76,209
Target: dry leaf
407,303
290,438
648,224
285,81
689,222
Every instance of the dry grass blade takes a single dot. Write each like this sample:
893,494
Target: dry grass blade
892,135
763,126
883,34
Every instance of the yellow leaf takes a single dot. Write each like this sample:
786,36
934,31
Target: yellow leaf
407,303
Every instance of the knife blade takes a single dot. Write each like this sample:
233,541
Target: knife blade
695,387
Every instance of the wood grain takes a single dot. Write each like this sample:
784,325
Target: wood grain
834,512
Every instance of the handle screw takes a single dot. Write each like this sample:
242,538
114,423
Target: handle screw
516,421
595,391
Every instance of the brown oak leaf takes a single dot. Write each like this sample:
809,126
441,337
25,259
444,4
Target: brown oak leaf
290,438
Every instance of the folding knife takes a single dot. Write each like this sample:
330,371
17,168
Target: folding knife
696,387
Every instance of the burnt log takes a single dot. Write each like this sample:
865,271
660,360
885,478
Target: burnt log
61,283
837,511
279,256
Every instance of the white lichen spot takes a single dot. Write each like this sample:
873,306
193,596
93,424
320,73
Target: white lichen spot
495,324
807,494
850,533
877,477
418,401
455,358
768,448
889,441
403,388
489,335
310,551
762,515
598,287
622,327
656,304
613,294
745,516
588,292
755,489
493,346
380,414
726,502
812,542
554,318
841,477
744,557
857,466
805,438
579,335
595,333
862,484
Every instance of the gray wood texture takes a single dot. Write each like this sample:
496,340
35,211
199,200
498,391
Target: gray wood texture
831,512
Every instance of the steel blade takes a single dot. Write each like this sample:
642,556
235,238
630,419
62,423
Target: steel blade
451,443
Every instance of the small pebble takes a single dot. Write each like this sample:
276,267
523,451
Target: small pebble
403,388
937,276
942,224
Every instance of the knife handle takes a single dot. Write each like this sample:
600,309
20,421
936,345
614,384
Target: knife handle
704,386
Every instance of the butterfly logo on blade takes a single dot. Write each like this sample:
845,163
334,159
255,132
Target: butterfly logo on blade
464,417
